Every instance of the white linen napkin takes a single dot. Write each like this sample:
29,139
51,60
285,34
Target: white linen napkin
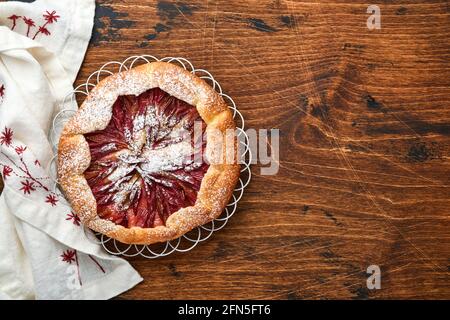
44,253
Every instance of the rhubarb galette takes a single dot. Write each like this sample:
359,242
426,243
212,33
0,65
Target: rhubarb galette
130,163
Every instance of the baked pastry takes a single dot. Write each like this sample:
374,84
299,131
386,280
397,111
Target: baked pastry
128,162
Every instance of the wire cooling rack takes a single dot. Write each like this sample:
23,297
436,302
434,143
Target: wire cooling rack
190,240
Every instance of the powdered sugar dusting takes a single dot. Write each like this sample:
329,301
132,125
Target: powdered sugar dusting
169,158
108,147
143,167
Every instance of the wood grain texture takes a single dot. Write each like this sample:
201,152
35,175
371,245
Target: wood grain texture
365,140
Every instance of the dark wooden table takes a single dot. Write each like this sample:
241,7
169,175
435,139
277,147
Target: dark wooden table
364,118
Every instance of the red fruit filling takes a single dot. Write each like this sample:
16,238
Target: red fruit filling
145,164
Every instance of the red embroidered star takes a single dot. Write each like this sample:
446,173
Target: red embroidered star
74,217
29,22
68,256
20,150
6,171
27,187
2,90
6,137
44,30
51,17
51,199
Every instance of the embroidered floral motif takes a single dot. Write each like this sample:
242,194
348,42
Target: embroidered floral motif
6,171
51,199
30,23
19,167
27,187
6,137
20,150
74,217
69,256
14,19
49,17
42,30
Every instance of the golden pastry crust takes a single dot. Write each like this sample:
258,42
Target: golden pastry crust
95,113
